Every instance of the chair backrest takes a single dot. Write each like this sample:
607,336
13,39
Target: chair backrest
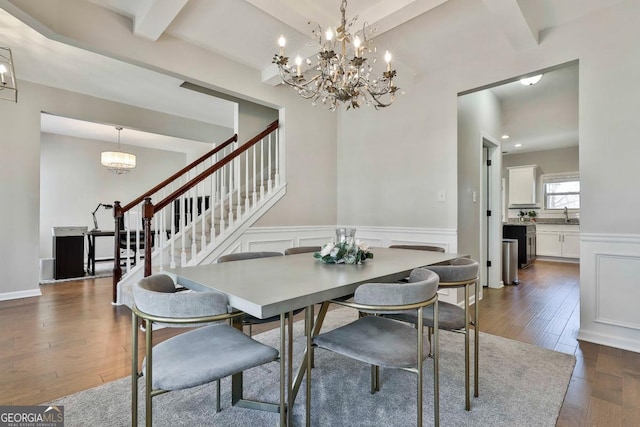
302,250
247,255
156,295
422,286
419,247
456,270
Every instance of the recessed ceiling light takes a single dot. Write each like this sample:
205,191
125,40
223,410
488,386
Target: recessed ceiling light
518,145
505,136
530,81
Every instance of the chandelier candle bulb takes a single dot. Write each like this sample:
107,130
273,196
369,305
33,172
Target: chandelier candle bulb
298,64
329,34
356,45
387,59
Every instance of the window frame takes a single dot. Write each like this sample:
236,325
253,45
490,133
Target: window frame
552,178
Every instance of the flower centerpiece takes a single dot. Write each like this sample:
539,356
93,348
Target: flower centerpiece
344,253
346,249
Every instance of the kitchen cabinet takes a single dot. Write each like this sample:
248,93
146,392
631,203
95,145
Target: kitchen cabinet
522,185
561,241
527,245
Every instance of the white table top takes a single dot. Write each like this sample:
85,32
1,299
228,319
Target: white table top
266,287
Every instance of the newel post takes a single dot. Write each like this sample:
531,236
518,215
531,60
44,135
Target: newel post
118,225
147,215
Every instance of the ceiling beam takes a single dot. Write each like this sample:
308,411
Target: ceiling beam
154,17
519,25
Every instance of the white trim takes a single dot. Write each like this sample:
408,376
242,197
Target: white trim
20,294
610,238
609,340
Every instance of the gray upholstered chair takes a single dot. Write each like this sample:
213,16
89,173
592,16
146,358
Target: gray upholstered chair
248,319
198,356
419,247
383,342
302,250
457,273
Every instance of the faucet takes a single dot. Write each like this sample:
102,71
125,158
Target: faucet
566,215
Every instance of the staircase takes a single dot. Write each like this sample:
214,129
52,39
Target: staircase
195,215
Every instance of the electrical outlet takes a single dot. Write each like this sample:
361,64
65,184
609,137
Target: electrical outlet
442,196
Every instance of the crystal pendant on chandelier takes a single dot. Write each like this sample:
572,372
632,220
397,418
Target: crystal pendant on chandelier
118,161
342,77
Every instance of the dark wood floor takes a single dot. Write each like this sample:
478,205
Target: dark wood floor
71,339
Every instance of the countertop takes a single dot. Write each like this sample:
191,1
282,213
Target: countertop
551,221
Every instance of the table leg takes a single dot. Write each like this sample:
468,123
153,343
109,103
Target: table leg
91,255
308,354
308,323
283,415
236,379
289,369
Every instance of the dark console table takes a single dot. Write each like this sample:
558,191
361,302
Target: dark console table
91,253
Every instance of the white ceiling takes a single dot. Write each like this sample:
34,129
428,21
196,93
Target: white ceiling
247,30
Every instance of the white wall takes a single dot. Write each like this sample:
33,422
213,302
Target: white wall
72,183
20,195
478,113
479,116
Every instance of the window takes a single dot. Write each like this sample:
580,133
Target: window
561,191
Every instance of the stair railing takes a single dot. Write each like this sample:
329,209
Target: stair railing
198,204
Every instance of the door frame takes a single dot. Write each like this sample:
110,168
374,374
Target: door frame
490,244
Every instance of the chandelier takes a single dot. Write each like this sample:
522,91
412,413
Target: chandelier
342,73
118,161
8,88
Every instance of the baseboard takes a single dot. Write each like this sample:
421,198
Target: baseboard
609,341
20,294
558,259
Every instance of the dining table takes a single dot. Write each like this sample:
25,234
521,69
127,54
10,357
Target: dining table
266,287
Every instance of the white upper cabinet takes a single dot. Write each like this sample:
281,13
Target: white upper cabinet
522,185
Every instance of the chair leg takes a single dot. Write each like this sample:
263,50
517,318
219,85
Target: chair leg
218,396
134,371
476,341
419,368
375,379
147,374
436,367
467,398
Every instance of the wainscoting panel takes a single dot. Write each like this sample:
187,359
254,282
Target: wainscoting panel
617,278
610,290
281,238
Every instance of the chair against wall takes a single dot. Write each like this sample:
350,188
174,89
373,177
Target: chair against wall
419,247
457,273
302,250
199,356
248,319
382,342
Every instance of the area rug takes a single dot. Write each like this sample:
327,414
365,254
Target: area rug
520,385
